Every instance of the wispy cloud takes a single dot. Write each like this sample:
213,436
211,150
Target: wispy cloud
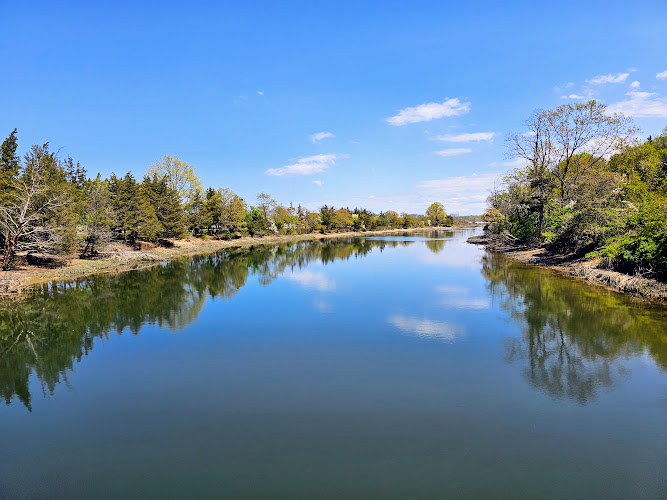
429,111
462,194
635,84
610,78
319,136
519,162
260,92
427,328
572,96
312,280
641,104
468,137
661,76
307,166
453,152
318,183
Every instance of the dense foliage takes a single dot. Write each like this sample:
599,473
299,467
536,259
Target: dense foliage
587,188
48,204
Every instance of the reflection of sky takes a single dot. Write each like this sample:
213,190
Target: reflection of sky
313,280
459,298
427,328
451,255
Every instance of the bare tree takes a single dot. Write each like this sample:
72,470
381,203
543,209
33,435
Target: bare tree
562,145
24,214
566,142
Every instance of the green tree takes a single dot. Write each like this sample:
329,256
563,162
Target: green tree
9,166
232,215
98,216
436,215
199,218
265,204
179,175
166,203
134,216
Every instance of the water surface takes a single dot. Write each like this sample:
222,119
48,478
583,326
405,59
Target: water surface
411,365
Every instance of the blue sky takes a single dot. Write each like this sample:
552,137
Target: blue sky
240,89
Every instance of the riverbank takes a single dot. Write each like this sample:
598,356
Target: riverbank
587,269
117,257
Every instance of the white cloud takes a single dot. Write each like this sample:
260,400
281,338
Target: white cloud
318,183
641,104
462,194
453,152
635,84
427,328
319,136
661,76
469,137
259,92
429,111
312,280
493,164
573,96
611,78
519,162
307,166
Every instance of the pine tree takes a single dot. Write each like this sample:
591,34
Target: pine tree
134,216
9,166
97,215
165,200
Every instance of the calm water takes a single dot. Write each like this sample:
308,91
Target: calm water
402,366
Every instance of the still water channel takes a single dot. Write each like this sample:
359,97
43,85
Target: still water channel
411,365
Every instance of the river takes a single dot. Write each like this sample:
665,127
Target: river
412,365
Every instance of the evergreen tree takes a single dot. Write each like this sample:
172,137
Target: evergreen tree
198,216
213,207
134,216
97,215
165,200
9,165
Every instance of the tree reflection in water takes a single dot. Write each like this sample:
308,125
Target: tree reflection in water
55,327
575,338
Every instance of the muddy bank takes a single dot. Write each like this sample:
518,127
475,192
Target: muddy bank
587,269
118,258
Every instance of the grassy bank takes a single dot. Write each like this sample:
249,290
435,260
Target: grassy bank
587,269
119,258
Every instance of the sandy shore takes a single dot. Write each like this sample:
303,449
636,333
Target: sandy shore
587,269
120,258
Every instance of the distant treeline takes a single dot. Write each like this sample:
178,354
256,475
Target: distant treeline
49,204
588,187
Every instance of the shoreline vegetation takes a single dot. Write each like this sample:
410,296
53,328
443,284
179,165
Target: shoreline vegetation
589,198
119,258
591,270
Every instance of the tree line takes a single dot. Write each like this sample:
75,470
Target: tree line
589,187
49,204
